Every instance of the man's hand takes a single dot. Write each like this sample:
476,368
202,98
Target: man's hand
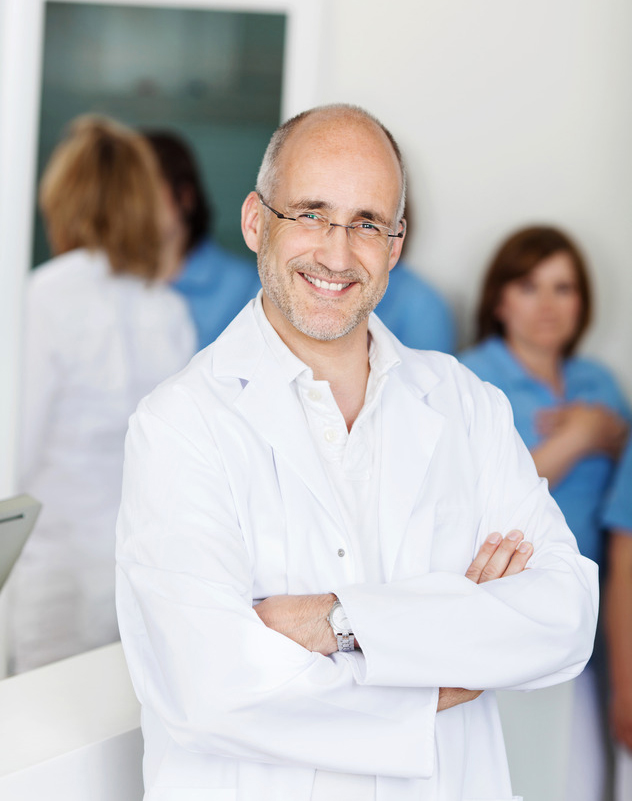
497,558
500,557
302,618
453,696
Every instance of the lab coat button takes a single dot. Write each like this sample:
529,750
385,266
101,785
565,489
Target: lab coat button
331,435
314,395
341,552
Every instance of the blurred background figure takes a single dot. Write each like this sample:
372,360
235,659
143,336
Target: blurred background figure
102,330
413,309
216,283
618,621
534,307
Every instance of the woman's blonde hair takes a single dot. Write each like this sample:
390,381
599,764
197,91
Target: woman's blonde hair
100,191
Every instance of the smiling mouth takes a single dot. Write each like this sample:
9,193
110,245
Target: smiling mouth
321,284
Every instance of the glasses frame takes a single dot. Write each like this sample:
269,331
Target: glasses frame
350,227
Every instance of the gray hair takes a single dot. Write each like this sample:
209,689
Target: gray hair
268,176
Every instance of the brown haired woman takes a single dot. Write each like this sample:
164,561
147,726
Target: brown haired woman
101,331
535,306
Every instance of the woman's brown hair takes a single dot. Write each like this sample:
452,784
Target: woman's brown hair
521,253
100,191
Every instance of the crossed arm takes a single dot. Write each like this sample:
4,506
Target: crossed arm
303,618
268,698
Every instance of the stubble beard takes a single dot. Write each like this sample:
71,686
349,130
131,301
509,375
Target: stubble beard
332,323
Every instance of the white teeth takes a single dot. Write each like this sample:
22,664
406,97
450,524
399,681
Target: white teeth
324,284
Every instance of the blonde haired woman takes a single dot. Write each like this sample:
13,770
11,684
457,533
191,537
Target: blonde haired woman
102,330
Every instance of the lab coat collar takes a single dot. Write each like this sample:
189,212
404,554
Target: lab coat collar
410,427
237,353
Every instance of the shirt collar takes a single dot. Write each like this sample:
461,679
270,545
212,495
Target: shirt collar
291,365
382,353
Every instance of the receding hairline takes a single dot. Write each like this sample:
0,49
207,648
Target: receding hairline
268,176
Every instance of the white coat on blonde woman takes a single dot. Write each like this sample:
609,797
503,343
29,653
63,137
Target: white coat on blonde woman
95,344
226,500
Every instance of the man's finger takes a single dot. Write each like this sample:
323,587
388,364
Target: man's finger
519,559
499,561
486,551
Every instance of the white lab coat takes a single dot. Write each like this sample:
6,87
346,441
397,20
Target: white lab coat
95,344
225,500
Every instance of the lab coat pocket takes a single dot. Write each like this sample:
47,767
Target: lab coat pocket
454,536
438,537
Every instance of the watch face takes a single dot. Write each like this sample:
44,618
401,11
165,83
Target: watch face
339,620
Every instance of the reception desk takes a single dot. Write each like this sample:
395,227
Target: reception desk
70,731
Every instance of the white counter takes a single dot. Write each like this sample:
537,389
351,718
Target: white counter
70,731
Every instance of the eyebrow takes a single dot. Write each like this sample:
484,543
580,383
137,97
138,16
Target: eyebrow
309,204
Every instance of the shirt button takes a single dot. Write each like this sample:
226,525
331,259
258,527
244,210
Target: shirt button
341,552
331,435
314,395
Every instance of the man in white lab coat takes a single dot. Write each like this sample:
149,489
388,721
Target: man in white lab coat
305,548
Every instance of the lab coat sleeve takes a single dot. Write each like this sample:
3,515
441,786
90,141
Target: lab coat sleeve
521,632
200,658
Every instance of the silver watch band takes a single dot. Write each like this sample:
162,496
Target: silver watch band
340,627
346,642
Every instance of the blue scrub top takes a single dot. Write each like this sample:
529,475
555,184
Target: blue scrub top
580,495
217,285
416,313
618,512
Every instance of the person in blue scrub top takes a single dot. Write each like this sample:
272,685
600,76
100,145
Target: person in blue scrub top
216,283
416,313
534,308
618,620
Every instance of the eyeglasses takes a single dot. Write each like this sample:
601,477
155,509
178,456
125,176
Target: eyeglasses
362,232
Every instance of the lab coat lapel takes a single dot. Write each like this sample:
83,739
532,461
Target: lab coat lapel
269,404
271,407
411,430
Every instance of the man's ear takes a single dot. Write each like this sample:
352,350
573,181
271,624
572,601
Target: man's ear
396,248
251,221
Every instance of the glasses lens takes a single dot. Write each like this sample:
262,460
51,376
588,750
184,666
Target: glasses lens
312,222
368,234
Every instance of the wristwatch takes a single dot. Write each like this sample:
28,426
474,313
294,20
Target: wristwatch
341,628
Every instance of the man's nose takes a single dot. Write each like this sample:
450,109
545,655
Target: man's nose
334,249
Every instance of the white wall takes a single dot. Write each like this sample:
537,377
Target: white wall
507,113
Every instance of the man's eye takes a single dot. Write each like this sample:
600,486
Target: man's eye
367,226
308,216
